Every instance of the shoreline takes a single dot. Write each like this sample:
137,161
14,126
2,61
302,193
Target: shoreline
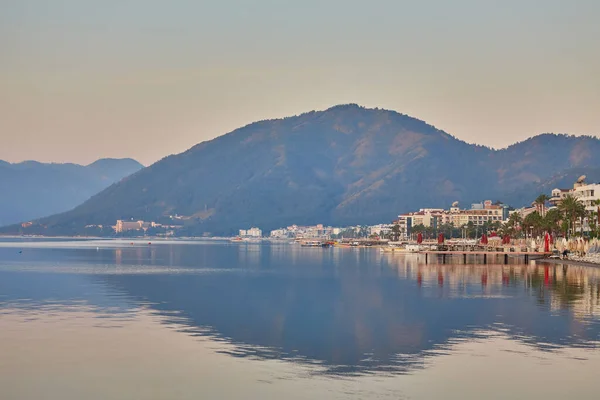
574,263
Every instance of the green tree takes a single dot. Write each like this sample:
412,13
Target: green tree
491,226
593,220
415,230
564,227
471,230
534,223
572,210
449,230
552,221
395,236
513,225
540,204
429,232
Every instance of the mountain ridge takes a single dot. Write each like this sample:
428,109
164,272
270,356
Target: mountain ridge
345,165
33,189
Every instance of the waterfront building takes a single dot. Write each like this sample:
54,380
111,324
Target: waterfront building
525,211
384,229
251,233
279,234
318,231
404,223
557,195
124,226
586,193
479,214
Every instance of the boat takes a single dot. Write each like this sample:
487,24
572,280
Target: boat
394,248
236,239
413,248
314,243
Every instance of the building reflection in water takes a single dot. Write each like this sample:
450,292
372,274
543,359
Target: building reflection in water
356,310
560,286
350,310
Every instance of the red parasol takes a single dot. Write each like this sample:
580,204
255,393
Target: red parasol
419,238
493,234
484,239
506,239
441,238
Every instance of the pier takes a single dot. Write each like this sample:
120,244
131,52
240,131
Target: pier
486,256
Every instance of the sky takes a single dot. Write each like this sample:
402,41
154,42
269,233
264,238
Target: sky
86,79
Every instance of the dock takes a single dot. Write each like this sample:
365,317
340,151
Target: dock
487,255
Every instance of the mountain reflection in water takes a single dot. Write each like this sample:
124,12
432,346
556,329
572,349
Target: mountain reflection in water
353,311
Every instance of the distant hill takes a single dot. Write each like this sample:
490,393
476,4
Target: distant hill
32,190
561,180
345,165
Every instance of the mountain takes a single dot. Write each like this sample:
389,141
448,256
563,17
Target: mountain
345,165
562,180
32,190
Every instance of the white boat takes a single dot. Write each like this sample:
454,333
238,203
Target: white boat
413,248
409,248
313,243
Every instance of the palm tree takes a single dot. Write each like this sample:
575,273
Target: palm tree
540,204
535,221
551,221
512,227
593,219
572,209
395,232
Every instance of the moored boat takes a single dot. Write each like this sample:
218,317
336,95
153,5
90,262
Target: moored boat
314,243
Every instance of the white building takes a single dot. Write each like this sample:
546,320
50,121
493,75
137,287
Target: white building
379,229
251,233
557,195
123,226
279,234
305,232
588,194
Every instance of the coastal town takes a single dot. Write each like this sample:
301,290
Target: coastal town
567,213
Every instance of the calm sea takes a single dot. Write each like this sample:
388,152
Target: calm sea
107,319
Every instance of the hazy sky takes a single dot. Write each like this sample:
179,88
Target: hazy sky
80,79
